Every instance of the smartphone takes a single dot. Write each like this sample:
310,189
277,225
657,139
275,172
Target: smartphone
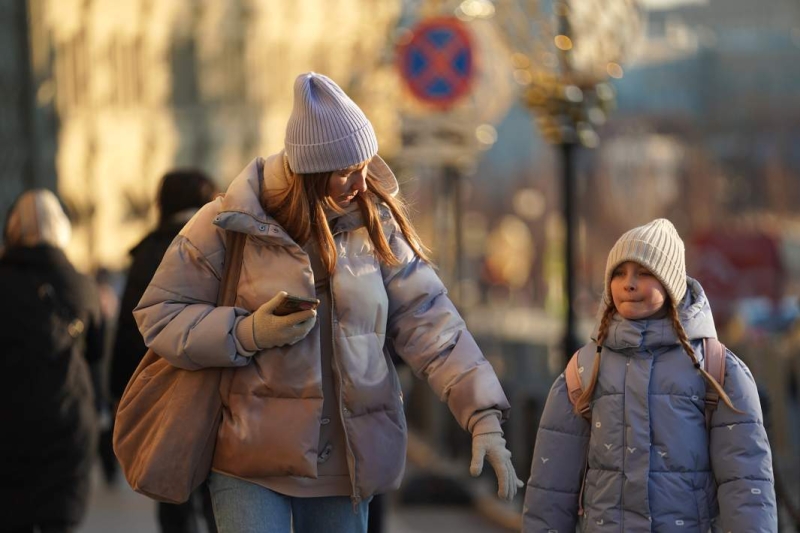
294,304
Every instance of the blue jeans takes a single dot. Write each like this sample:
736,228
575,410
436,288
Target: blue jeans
244,507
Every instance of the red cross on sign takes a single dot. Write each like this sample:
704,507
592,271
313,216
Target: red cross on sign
437,62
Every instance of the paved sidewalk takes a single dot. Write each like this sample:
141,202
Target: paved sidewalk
120,510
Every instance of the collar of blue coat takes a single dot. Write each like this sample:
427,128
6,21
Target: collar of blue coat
695,315
241,209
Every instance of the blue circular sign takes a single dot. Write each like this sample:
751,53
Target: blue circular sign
437,62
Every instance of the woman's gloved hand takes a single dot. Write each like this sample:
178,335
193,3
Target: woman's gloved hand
262,329
493,447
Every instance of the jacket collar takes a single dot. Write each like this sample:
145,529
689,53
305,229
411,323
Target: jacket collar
241,209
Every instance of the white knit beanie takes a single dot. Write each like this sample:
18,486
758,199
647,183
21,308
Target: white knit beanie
656,246
326,130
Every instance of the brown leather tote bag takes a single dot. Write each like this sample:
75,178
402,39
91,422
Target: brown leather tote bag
167,420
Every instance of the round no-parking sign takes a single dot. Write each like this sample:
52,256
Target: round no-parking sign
437,62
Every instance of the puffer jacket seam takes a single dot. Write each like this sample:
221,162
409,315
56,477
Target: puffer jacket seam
601,469
427,302
748,478
457,379
251,215
680,472
554,430
182,299
745,423
188,242
442,352
382,409
350,336
273,396
539,487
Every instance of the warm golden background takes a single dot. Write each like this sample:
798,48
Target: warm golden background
686,109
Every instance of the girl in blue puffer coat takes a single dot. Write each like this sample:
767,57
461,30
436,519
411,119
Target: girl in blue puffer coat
647,460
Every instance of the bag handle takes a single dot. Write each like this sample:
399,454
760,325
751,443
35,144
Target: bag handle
231,268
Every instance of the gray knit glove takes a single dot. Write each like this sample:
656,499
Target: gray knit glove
261,329
493,447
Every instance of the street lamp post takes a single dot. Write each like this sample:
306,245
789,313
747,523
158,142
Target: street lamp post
564,51
567,195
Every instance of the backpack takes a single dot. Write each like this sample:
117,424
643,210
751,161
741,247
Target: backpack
713,363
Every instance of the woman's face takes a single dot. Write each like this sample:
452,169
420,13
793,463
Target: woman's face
636,292
345,185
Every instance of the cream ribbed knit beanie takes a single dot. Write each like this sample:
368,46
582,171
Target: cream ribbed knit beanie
658,247
326,130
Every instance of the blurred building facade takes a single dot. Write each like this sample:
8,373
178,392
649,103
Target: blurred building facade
26,135
131,89
705,133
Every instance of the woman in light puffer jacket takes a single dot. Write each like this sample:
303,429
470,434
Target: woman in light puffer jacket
647,460
313,422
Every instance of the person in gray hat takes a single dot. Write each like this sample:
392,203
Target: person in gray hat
313,424
639,450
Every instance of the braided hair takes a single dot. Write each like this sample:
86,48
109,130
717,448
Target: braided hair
588,393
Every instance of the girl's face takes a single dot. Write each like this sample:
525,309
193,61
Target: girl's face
345,185
636,292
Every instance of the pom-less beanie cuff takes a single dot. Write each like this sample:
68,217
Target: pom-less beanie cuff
326,131
656,246
356,148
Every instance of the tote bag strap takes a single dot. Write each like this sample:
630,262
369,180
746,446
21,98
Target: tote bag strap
231,268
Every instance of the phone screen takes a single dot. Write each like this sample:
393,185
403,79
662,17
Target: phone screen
295,304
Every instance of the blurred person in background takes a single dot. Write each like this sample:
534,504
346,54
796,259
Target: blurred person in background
649,460
313,424
751,342
182,193
51,334
109,307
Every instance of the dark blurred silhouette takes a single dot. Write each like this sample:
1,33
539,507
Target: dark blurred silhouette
51,337
109,307
181,194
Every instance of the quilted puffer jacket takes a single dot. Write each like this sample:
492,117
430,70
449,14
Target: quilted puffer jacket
651,463
272,402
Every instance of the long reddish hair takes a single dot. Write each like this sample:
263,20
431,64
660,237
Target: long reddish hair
300,209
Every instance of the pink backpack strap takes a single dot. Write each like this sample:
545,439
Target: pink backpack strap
714,364
572,374
574,384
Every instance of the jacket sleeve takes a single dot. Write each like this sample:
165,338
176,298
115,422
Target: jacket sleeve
428,333
557,466
741,456
178,316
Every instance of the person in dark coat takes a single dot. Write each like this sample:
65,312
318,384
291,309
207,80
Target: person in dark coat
51,333
182,193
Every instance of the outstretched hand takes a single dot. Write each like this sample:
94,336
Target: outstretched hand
493,447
